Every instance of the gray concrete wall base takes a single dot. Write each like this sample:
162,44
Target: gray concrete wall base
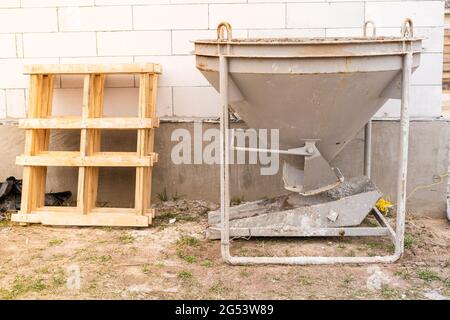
427,169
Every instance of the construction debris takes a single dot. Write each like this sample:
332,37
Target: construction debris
343,206
11,192
182,210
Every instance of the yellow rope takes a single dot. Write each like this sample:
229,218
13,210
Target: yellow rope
384,205
425,186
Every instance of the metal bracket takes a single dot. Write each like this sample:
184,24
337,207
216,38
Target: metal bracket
307,150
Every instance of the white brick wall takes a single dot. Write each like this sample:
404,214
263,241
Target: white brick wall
92,31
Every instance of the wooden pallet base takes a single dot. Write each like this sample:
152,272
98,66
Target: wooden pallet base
104,218
89,158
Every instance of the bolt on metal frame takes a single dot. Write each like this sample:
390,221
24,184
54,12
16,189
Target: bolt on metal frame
396,236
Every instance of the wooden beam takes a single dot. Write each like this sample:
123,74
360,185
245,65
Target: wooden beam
109,210
54,218
145,137
90,123
116,68
36,141
74,159
93,139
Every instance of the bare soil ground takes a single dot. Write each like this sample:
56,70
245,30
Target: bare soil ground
174,260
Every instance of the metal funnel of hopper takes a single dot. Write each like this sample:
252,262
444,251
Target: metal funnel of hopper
320,91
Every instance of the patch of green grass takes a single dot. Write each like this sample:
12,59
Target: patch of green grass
80,251
305,281
38,285
409,241
372,223
55,242
93,285
390,293
97,258
244,273
380,246
185,275
427,275
21,285
160,264
162,196
4,294
207,263
375,245
105,258
126,238
100,241
188,241
166,215
146,269
447,283
58,278
6,219
44,270
218,288
404,274
186,257
348,280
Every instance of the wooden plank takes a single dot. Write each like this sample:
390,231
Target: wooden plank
52,159
93,219
151,140
57,209
117,68
91,123
26,217
93,143
46,111
40,105
109,210
82,171
147,98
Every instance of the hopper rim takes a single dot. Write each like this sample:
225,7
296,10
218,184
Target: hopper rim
308,40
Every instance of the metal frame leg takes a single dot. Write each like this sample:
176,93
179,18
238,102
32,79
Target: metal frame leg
368,149
308,260
403,155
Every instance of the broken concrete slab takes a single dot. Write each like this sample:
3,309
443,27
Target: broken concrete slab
344,206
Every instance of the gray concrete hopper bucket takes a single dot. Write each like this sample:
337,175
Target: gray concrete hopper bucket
318,92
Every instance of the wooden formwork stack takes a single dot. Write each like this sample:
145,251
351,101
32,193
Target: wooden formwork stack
89,158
